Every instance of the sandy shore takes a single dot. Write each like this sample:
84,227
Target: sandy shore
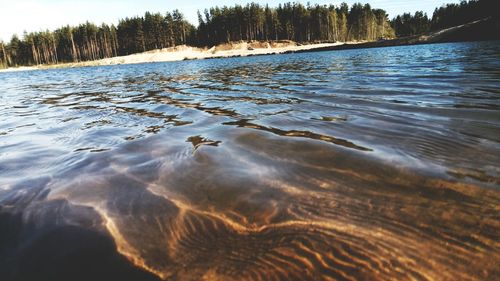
184,52
21,68
478,30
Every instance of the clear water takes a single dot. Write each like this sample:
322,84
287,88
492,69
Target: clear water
358,164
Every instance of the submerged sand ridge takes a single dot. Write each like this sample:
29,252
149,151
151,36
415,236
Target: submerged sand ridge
283,215
270,168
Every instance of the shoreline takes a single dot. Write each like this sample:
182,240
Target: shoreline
475,31
184,52
481,30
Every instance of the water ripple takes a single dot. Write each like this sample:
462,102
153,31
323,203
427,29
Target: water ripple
350,165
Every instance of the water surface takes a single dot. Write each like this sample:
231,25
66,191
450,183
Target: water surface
349,165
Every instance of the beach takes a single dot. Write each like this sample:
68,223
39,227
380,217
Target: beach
184,52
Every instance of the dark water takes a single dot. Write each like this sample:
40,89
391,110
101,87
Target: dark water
351,165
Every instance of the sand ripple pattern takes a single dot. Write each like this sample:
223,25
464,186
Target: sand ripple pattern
350,165
305,220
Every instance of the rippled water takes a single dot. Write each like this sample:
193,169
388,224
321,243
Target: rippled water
347,165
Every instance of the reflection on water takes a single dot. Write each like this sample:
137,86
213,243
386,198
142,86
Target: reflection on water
349,165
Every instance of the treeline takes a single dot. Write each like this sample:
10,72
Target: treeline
292,21
90,42
154,31
444,17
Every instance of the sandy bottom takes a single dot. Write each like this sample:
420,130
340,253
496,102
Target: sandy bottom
184,52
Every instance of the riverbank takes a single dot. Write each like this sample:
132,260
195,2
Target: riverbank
475,31
179,53
481,30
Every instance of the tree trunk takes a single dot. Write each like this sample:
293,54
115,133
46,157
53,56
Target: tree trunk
4,55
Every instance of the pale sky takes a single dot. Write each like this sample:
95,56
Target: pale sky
17,16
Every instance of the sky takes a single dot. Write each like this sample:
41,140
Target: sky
17,16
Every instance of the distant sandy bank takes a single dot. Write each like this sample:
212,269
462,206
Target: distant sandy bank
17,69
485,29
178,53
481,30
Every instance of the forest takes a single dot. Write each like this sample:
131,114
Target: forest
292,21
289,21
90,42
443,17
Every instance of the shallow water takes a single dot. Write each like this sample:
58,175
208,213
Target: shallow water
349,165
